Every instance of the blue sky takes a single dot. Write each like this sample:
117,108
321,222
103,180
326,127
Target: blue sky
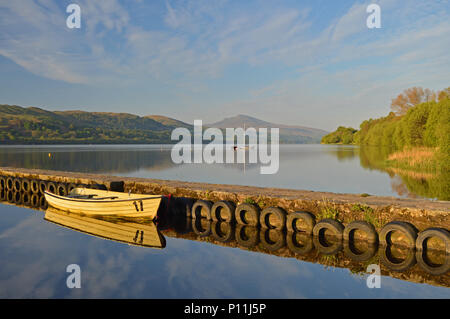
312,63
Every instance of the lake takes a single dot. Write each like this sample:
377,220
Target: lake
36,249
330,168
207,260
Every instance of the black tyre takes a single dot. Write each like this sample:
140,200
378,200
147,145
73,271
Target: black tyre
406,228
42,202
26,197
3,194
17,184
295,246
431,268
308,219
10,183
329,224
34,186
223,211
71,187
10,196
442,234
396,264
222,231
51,187
354,254
2,182
17,198
61,189
25,185
272,239
330,247
202,209
247,214
201,227
34,200
273,218
117,186
42,186
367,228
247,236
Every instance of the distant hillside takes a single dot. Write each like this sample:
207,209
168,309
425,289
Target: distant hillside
167,121
33,125
288,133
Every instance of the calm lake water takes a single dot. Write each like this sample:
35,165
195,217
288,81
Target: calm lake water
331,168
35,251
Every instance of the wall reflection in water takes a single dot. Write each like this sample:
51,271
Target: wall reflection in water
429,266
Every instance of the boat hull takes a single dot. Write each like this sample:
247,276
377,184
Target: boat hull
122,204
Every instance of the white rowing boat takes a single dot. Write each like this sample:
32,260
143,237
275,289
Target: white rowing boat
105,203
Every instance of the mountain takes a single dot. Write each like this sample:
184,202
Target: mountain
288,133
32,125
167,121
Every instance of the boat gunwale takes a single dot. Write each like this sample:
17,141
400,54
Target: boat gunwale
99,200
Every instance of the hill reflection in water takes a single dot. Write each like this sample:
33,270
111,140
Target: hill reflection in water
330,168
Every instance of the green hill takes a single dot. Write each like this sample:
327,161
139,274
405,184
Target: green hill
33,125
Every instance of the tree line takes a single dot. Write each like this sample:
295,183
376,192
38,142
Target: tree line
419,117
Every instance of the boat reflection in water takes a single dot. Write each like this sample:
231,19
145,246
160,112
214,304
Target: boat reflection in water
124,231
429,266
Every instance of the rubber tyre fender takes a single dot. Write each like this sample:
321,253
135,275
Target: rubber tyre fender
406,228
243,239
42,186
17,198
244,211
293,245
219,235
2,182
51,187
34,186
42,202
198,228
367,228
25,185
202,209
268,243
17,184
223,211
351,252
329,224
10,183
332,249
3,194
71,187
307,217
10,196
440,233
279,213
26,198
390,261
34,200
435,270
61,189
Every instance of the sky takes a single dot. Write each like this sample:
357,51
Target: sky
313,63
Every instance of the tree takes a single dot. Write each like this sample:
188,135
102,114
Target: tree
444,94
411,97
